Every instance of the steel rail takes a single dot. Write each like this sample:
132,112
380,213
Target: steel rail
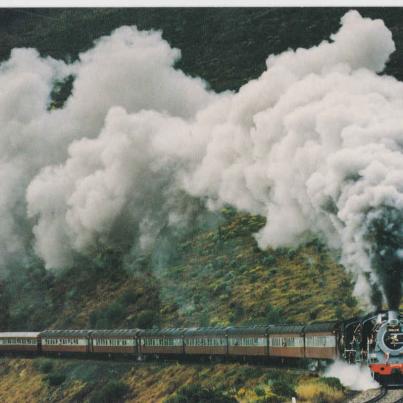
381,395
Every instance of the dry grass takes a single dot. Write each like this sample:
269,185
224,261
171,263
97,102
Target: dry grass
21,383
319,392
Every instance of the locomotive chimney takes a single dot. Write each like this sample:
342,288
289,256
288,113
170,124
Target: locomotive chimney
393,317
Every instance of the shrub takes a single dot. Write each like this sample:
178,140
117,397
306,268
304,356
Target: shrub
282,388
55,378
113,391
196,393
146,319
128,297
45,366
332,382
259,391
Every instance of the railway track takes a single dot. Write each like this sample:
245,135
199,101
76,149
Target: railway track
383,392
386,395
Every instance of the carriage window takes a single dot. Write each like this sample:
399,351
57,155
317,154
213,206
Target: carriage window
320,341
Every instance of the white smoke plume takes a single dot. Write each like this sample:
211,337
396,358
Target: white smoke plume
354,377
314,144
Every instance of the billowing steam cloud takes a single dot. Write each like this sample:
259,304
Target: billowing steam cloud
314,144
354,377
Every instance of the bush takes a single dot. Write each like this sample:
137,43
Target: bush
108,317
146,319
113,391
282,388
259,391
45,366
55,379
332,382
196,393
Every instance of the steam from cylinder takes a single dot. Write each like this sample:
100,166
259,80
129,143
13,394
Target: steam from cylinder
314,145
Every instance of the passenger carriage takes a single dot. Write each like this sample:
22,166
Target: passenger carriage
248,341
321,340
286,341
206,341
121,341
161,341
65,341
19,342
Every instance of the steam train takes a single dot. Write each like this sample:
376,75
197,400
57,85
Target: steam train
375,340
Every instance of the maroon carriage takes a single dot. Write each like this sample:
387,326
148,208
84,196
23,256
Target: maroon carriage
161,341
19,342
248,341
206,341
321,340
119,341
65,341
286,341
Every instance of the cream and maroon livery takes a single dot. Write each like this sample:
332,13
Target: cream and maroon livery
65,341
121,341
19,341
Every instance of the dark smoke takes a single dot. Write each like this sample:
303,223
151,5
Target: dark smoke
386,234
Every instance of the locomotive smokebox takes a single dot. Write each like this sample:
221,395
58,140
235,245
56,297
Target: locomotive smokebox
393,317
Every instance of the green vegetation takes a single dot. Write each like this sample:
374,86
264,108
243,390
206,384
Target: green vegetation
211,277
222,277
225,46
97,293
197,393
113,391
55,379
93,381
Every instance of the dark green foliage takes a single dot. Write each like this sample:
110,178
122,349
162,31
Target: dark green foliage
55,378
112,392
259,391
117,314
4,308
45,366
222,45
282,388
108,317
146,319
332,382
61,91
196,393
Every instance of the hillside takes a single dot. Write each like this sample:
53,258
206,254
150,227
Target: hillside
44,380
215,277
221,277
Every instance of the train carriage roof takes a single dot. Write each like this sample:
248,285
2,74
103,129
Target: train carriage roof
65,333
206,331
247,330
19,335
318,327
115,332
285,329
168,332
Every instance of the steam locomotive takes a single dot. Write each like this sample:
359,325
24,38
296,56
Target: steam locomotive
375,340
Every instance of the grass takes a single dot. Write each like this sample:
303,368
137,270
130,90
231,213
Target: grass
319,391
25,380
